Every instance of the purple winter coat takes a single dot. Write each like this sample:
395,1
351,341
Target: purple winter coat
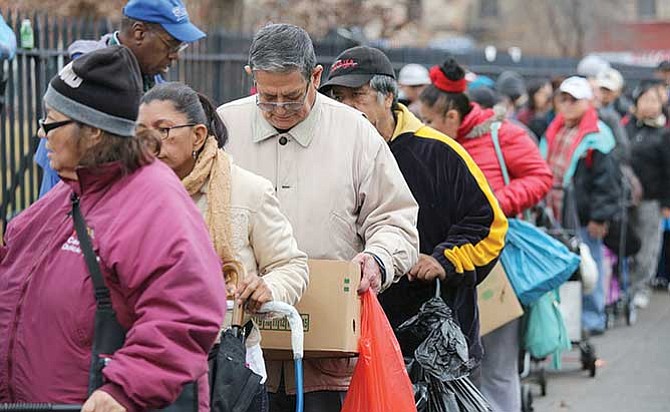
165,282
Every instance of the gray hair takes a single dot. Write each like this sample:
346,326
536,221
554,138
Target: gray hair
384,85
282,48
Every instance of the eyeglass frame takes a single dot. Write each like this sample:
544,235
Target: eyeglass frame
171,49
271,107
167,130
47,127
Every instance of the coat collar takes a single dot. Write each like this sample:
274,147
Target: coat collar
406,122
94,179
587,125
303,132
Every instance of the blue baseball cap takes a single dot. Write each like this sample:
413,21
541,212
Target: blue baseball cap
170,14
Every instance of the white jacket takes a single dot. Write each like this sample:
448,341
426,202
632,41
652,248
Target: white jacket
336,180
343,192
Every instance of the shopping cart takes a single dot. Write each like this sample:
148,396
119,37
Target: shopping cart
533,371
619,296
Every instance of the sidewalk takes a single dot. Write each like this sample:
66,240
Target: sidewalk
635,371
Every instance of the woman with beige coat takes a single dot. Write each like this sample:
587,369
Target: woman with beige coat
239,207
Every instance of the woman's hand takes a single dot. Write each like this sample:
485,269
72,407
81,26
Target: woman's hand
254,292
101,401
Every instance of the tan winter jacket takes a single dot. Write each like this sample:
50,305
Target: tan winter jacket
342,191
262,238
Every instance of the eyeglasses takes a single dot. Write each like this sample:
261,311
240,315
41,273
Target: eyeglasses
164,132
287,106
47,127
172,48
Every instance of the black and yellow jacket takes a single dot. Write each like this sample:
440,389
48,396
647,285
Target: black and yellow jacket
460,224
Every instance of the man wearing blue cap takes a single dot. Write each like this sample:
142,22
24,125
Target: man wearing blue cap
156,31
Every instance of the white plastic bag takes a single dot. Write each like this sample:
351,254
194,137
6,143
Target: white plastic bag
588,269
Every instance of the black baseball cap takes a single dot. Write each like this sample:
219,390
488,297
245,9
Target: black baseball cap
356,66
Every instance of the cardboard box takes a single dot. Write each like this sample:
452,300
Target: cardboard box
331,312
497,301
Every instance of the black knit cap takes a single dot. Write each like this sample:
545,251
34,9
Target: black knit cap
101,89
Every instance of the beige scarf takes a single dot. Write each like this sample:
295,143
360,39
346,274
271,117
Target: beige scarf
213,166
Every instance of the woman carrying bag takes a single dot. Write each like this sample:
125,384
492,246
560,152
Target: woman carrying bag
240,208
446,107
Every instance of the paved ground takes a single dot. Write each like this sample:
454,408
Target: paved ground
634,375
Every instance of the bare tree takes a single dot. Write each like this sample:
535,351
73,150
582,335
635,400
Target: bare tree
569,23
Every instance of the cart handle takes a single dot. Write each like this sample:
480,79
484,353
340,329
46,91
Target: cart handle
37,407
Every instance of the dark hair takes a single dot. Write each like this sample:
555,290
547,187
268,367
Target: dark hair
644,87
445,101
534,86
132,152
197,107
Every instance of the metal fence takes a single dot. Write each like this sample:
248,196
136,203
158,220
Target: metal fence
214,66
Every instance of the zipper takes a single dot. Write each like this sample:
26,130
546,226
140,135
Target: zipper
17,314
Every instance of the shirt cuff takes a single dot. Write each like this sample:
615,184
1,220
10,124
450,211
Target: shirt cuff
382,269
449,267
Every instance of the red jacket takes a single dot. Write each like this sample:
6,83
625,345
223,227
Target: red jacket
530,177
163,274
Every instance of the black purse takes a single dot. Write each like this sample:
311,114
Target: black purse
109,335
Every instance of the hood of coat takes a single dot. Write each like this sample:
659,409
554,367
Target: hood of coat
478,121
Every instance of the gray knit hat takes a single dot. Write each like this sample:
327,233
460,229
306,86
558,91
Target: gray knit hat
101,89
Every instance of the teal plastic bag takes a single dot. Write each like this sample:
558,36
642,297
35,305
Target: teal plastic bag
545,332
535,262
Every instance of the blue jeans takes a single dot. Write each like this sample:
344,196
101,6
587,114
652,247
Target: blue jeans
593,304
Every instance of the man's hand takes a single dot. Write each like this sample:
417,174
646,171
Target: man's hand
253,291
427,269
665,211
370,273
597,230
101,401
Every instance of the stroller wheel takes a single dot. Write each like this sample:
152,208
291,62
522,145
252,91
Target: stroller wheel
526,398
588,358
592,368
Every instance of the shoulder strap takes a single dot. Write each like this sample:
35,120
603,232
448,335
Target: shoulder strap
495,128
102,296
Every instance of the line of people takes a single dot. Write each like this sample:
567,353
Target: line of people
173,189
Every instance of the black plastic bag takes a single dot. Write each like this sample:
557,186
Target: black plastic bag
441,364
444,349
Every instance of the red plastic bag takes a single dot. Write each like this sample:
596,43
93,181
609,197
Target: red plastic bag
380,382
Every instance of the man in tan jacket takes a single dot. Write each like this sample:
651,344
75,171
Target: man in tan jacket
335,178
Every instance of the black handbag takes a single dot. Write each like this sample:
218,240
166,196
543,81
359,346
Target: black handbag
109,335
233,386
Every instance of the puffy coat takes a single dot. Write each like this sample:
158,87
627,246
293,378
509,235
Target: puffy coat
163,274
530,177
650,159
593,170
